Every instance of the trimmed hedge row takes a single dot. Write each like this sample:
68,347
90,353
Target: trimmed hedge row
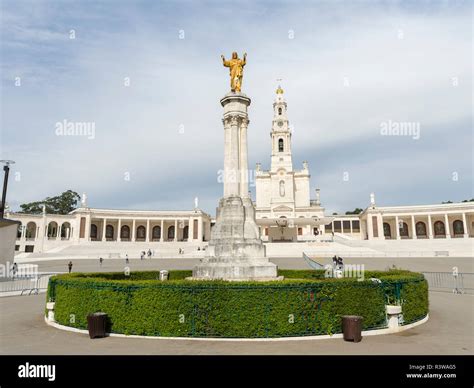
305,303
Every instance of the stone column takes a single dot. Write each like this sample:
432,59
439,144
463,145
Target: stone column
244,168
103,228
446,221
397,228
161,230
413,227
200,235
370,227
147,237
380,227
430,227
88,228
133,230
191,229
464,225
119,226
175,230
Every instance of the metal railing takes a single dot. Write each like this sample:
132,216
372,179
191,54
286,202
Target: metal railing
25,285
457,283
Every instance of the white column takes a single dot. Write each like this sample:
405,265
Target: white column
58,232
23,232
147,238
370,227
118,229
231,157
87,233
162,230
397,228
191,229
380,226
430,227
447,228
200,229
244,173
133,230
103,228
175,230
413,227
464,225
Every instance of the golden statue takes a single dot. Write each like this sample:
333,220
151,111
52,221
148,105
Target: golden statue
236,66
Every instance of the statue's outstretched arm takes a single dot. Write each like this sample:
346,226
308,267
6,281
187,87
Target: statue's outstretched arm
224,62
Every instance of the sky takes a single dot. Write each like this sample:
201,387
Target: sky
147,77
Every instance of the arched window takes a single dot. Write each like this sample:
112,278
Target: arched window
125,232
171,233
156,233
30,230
52,229
387,230
279,111
186,232
458,228
404,230
93,232
66,230
141,233
282,188
439,229
109,232
420,229
280,145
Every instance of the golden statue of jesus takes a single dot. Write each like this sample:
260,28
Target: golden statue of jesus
236,66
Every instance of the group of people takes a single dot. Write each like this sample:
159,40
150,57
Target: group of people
337,262
148,254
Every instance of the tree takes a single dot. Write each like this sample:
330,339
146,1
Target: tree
357,210
60,204
445,202
469,200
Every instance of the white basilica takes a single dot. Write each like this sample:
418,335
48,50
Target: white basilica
284,211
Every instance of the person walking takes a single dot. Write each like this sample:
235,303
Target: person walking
69,266
14,269
149,253
126,258
101,261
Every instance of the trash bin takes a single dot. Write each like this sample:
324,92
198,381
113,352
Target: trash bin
96,323
352,328
164,275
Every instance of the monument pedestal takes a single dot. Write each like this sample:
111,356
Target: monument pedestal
235,250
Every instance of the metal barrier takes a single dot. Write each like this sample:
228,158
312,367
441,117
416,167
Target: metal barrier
26,285
456,282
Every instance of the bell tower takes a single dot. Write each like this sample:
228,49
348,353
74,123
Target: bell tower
281,135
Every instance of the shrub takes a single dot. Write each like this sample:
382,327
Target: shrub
305,303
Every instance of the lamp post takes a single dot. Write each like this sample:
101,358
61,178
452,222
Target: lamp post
6,168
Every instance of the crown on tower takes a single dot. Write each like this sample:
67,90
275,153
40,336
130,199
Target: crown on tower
279,90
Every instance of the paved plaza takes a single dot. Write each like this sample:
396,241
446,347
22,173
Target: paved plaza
423,264
448,331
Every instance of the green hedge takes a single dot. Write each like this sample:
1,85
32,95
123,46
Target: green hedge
305,303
